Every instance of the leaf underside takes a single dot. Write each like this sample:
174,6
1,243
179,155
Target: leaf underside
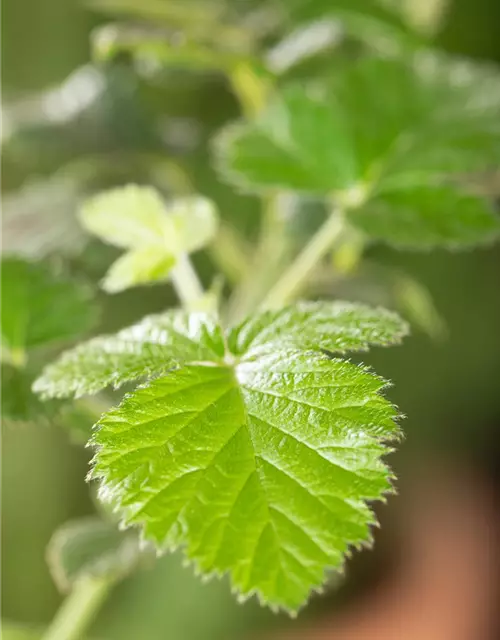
258,451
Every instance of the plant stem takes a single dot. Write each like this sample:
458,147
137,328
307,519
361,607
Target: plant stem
186,282
299,271
270,254
79,609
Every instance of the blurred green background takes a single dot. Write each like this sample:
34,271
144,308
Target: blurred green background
449,389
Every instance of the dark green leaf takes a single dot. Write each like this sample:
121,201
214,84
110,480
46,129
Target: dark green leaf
39,307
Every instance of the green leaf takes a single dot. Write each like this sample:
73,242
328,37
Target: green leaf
335,327
30,295
258,452
380,135
139,266
300,142
91,547
19,405
156,232
152,347
129,217
429,217
193,222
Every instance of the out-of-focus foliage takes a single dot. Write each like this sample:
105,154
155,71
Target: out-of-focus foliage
141,125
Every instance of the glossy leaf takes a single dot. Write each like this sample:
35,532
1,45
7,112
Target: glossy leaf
258,451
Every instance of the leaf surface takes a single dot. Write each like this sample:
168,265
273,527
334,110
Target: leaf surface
429,217
257,451
155,345
39,307
387,137
155,232
138,266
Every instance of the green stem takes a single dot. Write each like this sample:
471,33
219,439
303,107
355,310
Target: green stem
186,282
270,254
78,610
299,271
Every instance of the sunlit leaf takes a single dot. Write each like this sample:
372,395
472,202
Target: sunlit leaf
138,266
157,232
258,451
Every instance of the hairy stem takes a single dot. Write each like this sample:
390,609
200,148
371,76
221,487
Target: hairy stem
296,276
79,609
186,282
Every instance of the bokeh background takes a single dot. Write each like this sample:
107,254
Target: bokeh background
442,529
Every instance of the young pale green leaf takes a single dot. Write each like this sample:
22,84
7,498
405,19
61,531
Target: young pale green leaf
428,217
138,266
91,547
257,451
128,217
156,233
370,21
382,126
152,347
193,222
30,294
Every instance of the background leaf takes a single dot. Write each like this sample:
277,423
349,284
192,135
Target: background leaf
392,137
39,307
130,216
91,548
19,405
156,232
138,266
428,217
